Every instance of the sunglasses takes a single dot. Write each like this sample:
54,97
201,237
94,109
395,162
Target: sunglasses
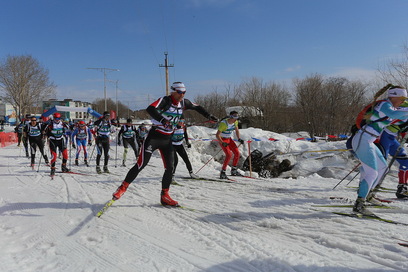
180,92
33,120
56,118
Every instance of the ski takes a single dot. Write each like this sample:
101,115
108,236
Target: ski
403,244
351,206
75,173
179,207
107,205
370,217
228,180
176,183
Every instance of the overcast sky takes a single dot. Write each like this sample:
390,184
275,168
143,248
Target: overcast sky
211,43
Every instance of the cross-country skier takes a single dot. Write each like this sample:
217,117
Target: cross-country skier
373,163
56,132
141,134
103,128
224,136
81,136
166,113
34,131
128,135
179,135
19,129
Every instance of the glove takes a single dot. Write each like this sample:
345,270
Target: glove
73,145
188,145
119,143
89,143
241,141
224,144
166,124
213,118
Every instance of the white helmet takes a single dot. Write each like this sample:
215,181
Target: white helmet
178,86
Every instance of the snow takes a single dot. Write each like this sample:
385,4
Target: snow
250,225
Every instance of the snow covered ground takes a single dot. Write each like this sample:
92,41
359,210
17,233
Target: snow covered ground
250,225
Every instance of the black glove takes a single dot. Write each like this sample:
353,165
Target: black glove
89,143
166,123
73,145
213,118
224,144
241,141
188,145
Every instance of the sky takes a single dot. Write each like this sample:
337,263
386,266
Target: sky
211,43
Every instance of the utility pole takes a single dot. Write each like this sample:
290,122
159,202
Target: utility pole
166,66
104,81
117,107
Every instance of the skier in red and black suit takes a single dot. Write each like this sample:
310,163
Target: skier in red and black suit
166,113
56,132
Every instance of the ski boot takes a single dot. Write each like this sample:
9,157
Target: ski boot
123,163
27,155
64,168
223,175
46,160
193,176
402,191
234,172
76,162
98,169
105,169
86,162
52,171
166,200
373,200
359,207
120,191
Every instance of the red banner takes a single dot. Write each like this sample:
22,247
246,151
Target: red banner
7,138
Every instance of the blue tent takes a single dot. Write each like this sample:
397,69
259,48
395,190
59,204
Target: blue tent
75,109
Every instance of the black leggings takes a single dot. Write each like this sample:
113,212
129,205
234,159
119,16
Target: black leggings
131,142
179,149
102,145
155,140
34,142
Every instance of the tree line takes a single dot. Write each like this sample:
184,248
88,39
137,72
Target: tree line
317,104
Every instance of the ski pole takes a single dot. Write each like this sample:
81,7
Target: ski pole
250,159
38,168
353,178
116,151
208,161
403,141
90,157
355,167
211,159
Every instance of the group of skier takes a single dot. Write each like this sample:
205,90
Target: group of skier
374,140
168,132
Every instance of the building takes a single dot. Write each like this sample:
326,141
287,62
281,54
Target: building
7,113
68,115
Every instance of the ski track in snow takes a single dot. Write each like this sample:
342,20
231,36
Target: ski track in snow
253,225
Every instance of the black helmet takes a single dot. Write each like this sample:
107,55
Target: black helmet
129,120
105,113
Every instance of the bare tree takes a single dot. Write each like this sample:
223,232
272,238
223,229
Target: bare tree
24,83
329,105
395,71
124,111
